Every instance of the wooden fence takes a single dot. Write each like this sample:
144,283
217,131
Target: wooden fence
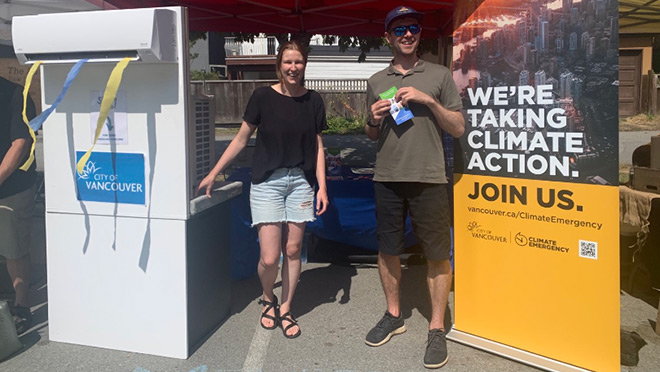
653,86
343,86
345,98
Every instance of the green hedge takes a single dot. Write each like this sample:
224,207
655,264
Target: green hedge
205,75
342,125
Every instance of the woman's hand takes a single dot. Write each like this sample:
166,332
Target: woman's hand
207,184
235,146
321,201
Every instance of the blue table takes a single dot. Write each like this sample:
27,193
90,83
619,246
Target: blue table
350,219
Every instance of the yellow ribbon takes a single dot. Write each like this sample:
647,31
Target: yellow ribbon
108,98
26,88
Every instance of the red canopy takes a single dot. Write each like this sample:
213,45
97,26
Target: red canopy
338,17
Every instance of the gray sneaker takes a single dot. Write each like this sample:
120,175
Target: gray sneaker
436,349
387,327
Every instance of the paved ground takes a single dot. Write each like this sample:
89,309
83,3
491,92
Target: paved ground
335,305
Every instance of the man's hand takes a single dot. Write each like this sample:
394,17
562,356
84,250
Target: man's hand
406,95
379,110
451,122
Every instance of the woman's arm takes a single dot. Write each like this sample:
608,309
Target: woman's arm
237,144
322,194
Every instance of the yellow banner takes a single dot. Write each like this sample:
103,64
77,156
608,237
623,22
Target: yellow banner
106,104
537,267
26,88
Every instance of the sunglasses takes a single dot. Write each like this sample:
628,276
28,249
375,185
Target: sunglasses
401,30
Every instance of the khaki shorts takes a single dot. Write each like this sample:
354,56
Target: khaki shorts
16,223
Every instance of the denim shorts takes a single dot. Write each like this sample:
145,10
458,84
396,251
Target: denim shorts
285,196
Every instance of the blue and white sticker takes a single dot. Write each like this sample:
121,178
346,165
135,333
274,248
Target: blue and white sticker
112,178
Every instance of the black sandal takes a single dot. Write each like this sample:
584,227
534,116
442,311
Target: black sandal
292,323
264,315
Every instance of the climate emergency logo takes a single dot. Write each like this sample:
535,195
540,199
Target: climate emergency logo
541,243
478,232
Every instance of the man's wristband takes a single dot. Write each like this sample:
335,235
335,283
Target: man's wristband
373,125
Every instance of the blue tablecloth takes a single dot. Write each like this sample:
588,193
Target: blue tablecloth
350,219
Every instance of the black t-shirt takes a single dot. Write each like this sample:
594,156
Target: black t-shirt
287,131
12,128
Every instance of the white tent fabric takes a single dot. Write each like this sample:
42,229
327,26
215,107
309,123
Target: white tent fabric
11,8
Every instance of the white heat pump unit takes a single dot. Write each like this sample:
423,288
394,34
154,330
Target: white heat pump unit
135,261
147,35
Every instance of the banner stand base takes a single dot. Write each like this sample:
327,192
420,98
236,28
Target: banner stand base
512,353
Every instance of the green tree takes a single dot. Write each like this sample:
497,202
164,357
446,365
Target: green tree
364,43
193,36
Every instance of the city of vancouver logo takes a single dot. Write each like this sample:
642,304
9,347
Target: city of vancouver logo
88,171
473,225
112,178
479,232
96,180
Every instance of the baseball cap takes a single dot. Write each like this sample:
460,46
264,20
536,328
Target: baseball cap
401,12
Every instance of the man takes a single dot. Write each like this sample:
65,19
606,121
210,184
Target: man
16,196
410,175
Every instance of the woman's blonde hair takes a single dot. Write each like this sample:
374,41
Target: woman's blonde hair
289,45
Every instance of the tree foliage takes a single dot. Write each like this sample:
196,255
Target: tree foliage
364,44
193,36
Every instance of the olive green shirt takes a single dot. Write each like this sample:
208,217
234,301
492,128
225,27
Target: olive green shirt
412,151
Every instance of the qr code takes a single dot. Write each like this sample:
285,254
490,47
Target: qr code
588,249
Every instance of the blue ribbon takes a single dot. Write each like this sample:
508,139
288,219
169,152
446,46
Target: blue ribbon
37,122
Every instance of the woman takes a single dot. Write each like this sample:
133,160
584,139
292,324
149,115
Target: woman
288,161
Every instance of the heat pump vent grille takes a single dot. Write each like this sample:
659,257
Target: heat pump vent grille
204,139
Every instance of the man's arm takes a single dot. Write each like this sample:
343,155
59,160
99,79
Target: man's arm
14,157
378,111
450,121
372,132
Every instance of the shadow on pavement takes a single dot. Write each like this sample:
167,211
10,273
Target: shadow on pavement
323,285
39,302
316,287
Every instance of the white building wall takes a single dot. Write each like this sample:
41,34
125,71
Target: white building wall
343,70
